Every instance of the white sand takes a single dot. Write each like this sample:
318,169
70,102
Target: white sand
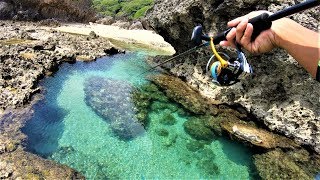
149,39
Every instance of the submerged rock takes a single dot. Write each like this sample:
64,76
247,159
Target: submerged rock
162,132
196,128
255,136
277,165
180,92
167,118
170,140
113,100
194,146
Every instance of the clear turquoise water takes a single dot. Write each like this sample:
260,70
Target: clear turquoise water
65,129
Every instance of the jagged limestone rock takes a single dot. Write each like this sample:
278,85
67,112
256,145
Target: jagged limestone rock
282,94
29,53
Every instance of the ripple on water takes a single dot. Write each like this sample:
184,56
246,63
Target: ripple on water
65,129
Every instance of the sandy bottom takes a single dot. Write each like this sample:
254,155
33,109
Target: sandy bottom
143,39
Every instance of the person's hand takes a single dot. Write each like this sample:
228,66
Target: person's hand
242,32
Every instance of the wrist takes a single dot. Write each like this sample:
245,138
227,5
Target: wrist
282,32
278,38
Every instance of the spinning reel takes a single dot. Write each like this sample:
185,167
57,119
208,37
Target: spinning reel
225,71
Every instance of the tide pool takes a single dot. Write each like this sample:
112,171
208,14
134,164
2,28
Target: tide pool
66,129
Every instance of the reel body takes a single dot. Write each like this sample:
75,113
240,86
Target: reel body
225,71
236,71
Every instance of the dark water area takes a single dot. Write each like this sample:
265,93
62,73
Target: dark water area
79,124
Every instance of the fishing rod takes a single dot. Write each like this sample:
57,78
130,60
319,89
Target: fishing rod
177,56
226,71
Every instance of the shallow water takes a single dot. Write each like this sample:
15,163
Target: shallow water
65,129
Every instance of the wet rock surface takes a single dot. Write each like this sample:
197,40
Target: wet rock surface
113,100
280,165
24,165
256,136
281,94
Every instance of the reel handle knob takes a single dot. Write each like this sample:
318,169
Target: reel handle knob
198,36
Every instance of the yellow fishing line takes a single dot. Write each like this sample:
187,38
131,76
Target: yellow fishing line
224,63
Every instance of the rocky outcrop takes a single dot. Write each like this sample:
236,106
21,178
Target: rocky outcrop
24,165
29,52
67,10
6,10
281,94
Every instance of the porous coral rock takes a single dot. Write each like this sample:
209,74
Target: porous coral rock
5,170
69,10
281,94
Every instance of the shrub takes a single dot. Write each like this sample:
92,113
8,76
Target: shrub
133,9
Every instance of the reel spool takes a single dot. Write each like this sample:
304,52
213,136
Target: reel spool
213,67
223,76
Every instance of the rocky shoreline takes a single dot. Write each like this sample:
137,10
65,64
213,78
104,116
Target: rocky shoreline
29,52
282,95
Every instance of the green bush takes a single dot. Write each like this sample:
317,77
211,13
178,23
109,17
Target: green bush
132,9
141,12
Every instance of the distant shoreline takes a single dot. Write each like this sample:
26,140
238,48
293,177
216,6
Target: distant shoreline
143,39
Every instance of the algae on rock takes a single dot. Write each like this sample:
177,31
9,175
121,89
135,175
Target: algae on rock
277,165
183,94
